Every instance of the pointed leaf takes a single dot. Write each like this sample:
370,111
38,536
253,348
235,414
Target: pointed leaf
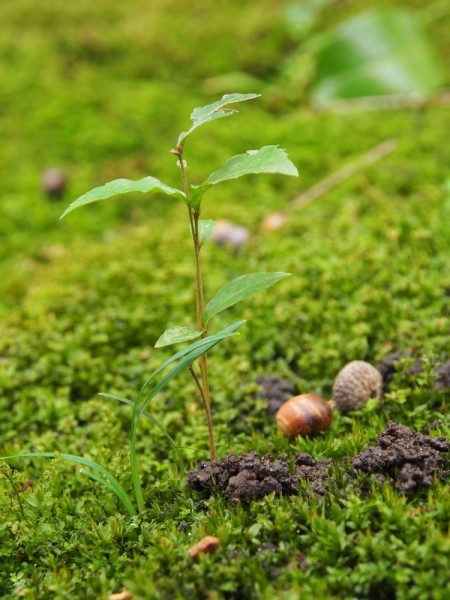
123,186
214,111
269,159
205,230
239,289
174,335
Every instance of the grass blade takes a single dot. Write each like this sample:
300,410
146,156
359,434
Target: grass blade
105,477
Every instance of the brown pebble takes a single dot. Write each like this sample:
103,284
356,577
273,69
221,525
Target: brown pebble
207,545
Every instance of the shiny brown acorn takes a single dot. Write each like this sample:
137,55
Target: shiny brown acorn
306,414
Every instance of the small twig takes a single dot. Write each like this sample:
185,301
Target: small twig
347,171
386,102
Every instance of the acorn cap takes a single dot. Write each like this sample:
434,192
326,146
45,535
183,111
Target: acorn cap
355,384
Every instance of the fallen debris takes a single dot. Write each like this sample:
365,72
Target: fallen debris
207,545
124,595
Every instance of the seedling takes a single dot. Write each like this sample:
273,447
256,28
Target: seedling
268,159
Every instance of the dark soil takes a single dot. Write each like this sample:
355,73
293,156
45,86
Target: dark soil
406,458
250,477
275,390
443,376
390,364
402,456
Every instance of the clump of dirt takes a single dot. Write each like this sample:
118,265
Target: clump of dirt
250,477
389,366
275,390
443,376
405,457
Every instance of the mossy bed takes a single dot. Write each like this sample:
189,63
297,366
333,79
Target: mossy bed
102,91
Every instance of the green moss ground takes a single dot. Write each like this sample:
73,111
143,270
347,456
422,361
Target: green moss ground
103,90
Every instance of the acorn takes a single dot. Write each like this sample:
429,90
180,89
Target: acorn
306,414
355,384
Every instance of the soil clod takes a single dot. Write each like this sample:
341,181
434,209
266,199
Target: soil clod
275,390
250,477
407,458
390,365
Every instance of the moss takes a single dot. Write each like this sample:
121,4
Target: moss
104,94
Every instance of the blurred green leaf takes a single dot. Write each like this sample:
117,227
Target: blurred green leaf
216,110
174,335
123,186
239,289
379,52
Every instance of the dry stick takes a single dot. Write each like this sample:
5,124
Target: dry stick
347,171
388,102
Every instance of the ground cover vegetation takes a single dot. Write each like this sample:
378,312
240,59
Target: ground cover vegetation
97,89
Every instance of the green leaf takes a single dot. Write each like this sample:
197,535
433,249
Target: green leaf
239,289
269,159
123,186
174,335
96,472
216,110
378,52
205,230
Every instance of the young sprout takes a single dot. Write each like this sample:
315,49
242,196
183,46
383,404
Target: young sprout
268,159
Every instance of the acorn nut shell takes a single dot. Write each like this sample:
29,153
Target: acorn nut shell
355,384
306,414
